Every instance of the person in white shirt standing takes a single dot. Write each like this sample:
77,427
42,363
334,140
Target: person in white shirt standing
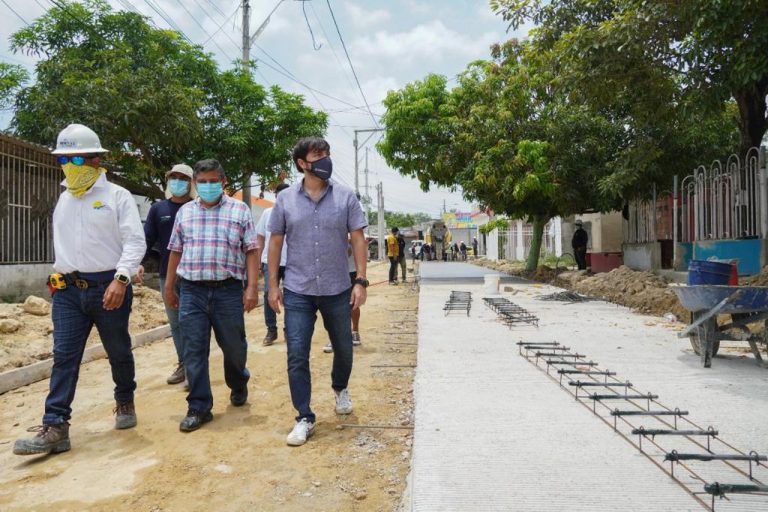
263,234
99,243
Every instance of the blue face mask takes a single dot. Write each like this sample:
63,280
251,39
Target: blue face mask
178,188
322,168
210,192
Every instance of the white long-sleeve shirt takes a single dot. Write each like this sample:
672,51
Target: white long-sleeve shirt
98,231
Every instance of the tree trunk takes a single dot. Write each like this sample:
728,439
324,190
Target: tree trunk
752,114
538,234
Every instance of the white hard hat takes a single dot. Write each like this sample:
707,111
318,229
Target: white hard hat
77,139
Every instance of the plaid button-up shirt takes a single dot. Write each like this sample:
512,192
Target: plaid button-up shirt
213,241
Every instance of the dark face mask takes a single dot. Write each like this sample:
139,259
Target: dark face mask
322,168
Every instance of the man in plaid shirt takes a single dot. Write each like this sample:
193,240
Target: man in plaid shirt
213,250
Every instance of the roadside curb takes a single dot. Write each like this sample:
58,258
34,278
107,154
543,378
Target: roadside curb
41,370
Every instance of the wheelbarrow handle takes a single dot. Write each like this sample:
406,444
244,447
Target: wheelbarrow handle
709,314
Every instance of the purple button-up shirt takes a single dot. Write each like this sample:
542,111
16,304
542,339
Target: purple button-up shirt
316,233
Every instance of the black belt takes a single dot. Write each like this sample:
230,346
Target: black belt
75,280
214,284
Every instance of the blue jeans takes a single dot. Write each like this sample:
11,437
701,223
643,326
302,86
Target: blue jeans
74,313
300,314
270,318
221,307
173,322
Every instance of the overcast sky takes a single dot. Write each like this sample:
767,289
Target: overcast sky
390,43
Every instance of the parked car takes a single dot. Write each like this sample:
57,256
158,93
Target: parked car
415,247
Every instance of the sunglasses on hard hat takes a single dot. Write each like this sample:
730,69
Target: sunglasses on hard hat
77,159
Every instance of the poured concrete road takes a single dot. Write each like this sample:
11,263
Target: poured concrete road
458,272
493,432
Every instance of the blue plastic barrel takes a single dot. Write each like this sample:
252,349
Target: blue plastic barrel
708,272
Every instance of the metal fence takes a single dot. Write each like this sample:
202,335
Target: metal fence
515,241
723,201
649,220
29,189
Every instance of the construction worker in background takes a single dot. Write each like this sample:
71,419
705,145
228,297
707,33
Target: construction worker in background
99,243
401,254
263,234
157,229
579,244
393,253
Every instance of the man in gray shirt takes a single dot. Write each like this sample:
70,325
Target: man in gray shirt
315,217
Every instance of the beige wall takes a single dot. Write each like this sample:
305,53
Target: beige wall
604,230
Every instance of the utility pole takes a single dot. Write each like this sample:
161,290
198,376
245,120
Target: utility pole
357,146
367,194
382,228
246,6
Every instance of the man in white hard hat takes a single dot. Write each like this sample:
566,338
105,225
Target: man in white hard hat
579,244
99,242
157,229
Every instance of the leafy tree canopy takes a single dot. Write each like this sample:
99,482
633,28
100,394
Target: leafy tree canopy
706,52
153,98
12,77
397,219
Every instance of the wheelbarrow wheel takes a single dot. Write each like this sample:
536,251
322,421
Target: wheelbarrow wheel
706,332
697,348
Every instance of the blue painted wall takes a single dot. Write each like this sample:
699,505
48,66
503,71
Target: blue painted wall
748,252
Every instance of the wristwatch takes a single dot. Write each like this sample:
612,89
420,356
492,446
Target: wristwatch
362,282
122,279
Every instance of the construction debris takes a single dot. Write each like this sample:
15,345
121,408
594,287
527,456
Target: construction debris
566,296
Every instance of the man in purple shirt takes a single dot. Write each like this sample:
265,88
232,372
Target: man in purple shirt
213,249
318,219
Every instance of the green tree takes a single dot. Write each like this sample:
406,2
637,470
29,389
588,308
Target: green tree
138,87
153,98
396,219
498,136
12,77
252,129
702,52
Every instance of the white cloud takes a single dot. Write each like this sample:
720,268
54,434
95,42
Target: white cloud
432,41
364,18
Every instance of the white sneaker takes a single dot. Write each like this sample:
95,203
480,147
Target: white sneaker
343,402
328,348
356,338
301,431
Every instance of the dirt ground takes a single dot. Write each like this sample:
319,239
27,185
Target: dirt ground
34,339
239,461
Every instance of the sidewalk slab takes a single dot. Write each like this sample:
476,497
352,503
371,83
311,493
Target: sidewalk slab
493,432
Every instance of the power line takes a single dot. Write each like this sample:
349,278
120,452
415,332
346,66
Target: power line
19,15
216,7
357,80
333,50
202,27
237,9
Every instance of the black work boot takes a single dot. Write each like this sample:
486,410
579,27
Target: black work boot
125,415
49,439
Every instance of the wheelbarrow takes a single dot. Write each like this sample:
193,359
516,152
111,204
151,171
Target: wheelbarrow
745,305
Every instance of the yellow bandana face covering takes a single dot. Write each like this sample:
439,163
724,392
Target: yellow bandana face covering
80,177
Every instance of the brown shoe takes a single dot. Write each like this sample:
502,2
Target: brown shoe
177,376
270,338
125,415
49,439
